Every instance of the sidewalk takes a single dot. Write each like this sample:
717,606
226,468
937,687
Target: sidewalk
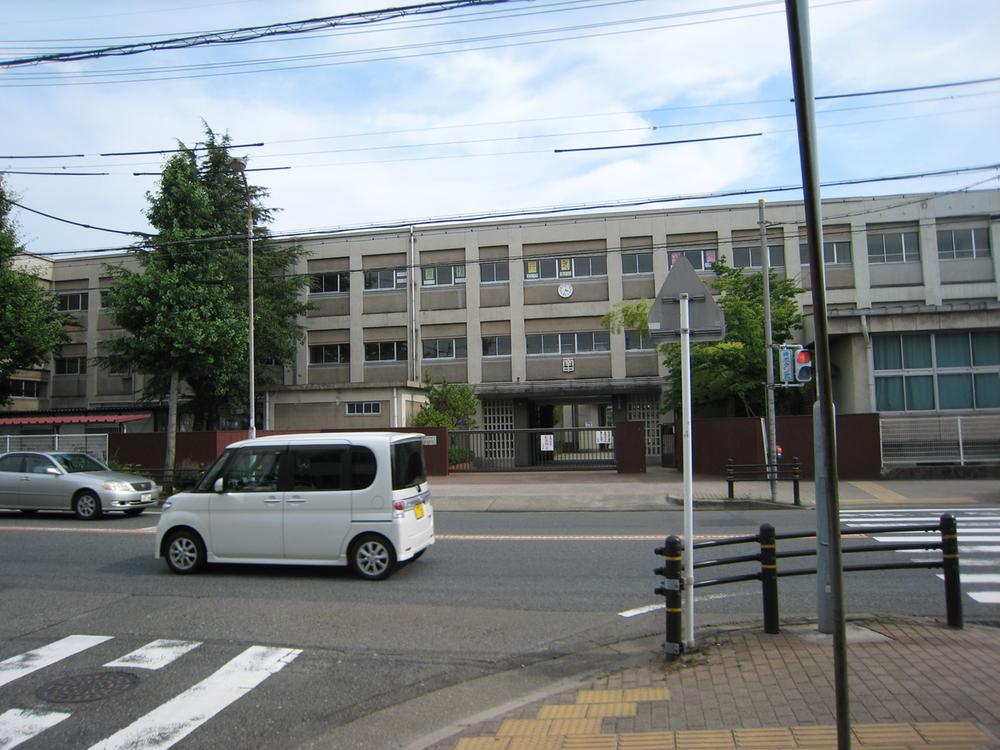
660,488
913,684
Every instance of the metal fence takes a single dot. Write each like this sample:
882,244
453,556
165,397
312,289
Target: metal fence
95,445
547,448
961,440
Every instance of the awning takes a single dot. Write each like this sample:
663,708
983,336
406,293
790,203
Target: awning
77,419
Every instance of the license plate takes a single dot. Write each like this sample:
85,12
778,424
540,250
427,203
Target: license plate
146,497
418,510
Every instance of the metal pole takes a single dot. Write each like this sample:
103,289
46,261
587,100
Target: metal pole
671,589
952,576
252,431
769,578
797,13
688,473
772,435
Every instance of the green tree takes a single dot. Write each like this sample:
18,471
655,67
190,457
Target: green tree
451,405
184,314
31,328
732,371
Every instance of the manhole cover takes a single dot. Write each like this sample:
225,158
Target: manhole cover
87,687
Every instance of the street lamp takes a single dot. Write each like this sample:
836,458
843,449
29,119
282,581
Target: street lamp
240,165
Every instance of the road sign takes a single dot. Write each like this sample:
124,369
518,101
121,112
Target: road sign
787,359
706,321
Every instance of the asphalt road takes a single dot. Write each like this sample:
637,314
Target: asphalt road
498,591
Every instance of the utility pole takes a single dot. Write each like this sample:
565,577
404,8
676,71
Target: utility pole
772,435
797,18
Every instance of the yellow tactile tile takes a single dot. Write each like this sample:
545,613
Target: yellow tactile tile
564,711
610,710
645,695
705,739
535,743
764,739
875,735
524,728
599,696
575,726
815,737
591,742
943,732
483,743
647,741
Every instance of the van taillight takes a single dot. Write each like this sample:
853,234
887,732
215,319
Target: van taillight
399,505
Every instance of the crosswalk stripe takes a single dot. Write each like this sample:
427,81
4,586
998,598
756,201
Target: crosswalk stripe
155,655
18,666
177,718
986,597
935,536
976,578
964,562
21,724
963,521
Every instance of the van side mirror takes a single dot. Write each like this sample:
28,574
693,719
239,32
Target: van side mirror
54,471
219,485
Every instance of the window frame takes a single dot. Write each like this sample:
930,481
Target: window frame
494,265
340,359
429,276
674,254
567,342
399,348
497,340
635,259
645,341
362,408
39,390
880,256
387,279
749,250
343,282
831,248
549,268
82,301
976,251
81,365
455,348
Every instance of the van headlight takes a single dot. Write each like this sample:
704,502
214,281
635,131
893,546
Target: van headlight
167,504
117,486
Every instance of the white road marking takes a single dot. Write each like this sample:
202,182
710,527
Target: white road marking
74,530
155,655
23,664
963,522
985,597
976,577
935,536
963,562
21,724
565,537
894,511
642,610
177,718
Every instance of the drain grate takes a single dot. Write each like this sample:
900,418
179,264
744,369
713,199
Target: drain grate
82,688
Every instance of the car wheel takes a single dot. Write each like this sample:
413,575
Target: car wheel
132,512
372,557
87,506
185,552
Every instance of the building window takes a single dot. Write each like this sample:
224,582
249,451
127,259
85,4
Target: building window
638,341
749,257
385,278
568,343
330,282
330,354
894,247
363,408
496,346
834,253
26,388
961,244
577,266
444,275
72,301
494,271
943,371
635,263
385,351
701,260
444,348
71,365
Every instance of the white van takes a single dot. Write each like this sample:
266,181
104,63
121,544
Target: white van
358,499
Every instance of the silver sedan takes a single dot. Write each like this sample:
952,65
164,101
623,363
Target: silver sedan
78,482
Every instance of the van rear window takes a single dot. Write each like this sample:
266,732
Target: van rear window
408,464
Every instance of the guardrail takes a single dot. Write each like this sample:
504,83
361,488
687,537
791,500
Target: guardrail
763,473
768,574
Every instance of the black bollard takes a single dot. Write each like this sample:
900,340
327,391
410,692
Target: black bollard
769,577
671,589
952,577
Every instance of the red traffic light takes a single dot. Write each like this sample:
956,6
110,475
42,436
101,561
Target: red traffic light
803,366
803,357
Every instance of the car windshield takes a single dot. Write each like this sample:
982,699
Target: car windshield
209,477
74,462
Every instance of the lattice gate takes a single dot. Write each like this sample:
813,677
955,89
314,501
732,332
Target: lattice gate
646,409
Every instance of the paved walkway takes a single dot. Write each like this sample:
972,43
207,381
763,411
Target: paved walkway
913,684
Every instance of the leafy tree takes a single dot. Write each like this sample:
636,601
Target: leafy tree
733,370
451,405
31,328
185,313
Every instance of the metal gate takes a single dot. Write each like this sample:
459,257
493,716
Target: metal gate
96,444
914,440
507,449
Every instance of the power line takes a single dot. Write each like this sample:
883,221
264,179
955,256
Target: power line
925,87
235,36
659,143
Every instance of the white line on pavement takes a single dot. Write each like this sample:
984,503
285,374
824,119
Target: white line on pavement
21,724
965,562
75,530
976,577
931,536
31,661
986,597
155,654
642,610
177,718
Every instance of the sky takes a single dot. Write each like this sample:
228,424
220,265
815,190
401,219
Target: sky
463,112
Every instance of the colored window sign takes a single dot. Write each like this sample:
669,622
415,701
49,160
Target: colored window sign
548,443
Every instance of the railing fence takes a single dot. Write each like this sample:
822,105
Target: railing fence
962,440
95,445
536,448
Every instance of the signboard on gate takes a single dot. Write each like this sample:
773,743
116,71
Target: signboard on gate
548,443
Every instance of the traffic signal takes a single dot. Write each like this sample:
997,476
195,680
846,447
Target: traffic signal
803,366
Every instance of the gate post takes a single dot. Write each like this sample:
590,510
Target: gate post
671,589
952,577
769,577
